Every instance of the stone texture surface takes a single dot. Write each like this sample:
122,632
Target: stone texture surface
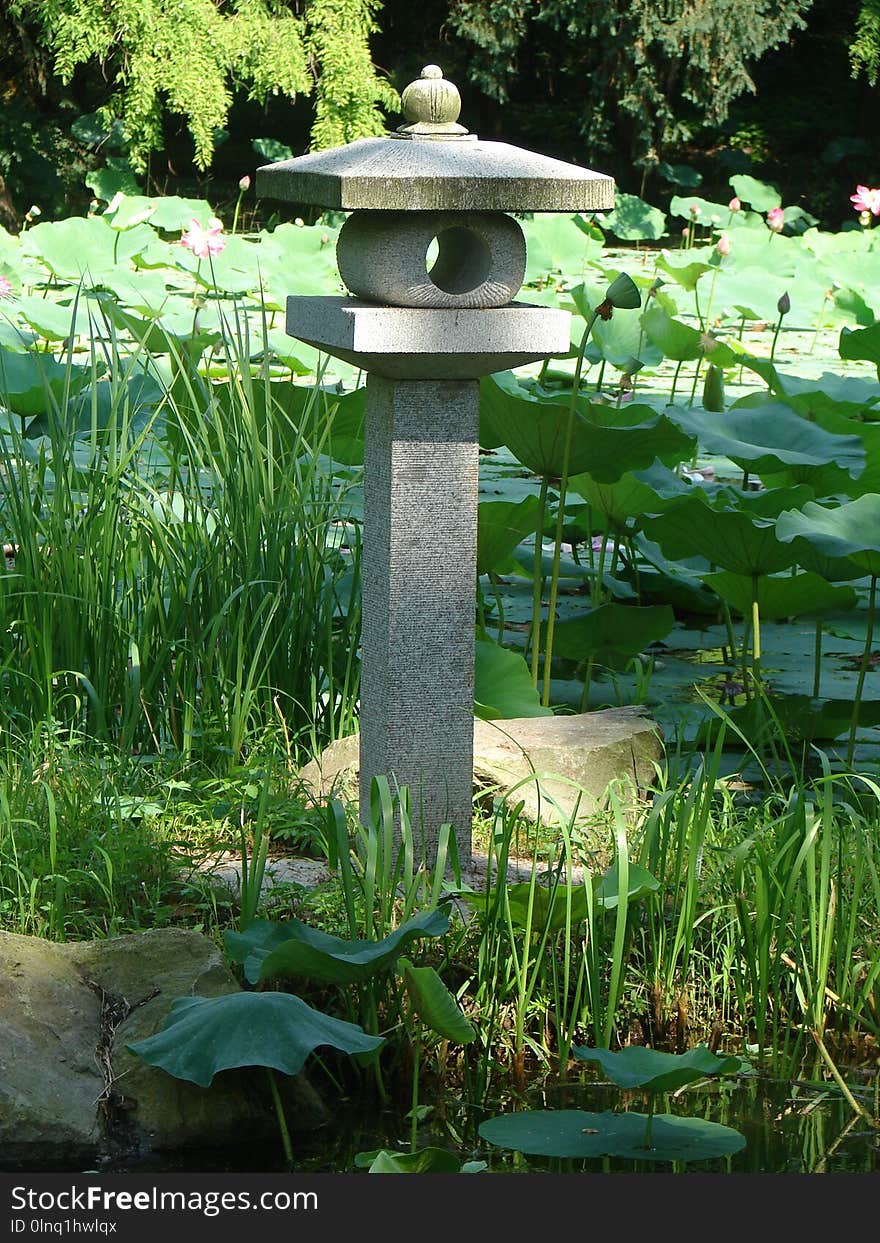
419,575
66,1013
559,757
416,343
393,174
50,1083
481,258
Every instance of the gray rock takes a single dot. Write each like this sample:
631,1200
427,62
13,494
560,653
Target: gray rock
71,1092
562,758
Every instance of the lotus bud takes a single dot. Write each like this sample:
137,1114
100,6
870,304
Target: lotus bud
776,219
735,204
695,210
723,245
783,306
713,389
244,183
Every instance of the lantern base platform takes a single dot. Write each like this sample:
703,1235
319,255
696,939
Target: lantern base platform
414,343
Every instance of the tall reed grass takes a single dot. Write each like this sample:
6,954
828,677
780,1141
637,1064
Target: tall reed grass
182,569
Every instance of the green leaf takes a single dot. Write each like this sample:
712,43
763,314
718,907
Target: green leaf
638,1067
627,501
83,249
34,383
769,438
425,1161
555,244
434,1004
576,1133
501,527
851,531
612,633
687,272
758,194
503,685
116,177
314,955
680,174
605,441
633,219
731,538
861,344
677,340
204,1035
640,882
803,595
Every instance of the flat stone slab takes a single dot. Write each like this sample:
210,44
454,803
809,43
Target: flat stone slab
552,764
70,1092
429,343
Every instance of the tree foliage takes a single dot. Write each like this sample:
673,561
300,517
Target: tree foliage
188,56
865,49
638,65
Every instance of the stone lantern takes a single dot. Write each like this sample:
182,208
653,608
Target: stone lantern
424,335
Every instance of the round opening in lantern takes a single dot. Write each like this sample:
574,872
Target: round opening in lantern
463,261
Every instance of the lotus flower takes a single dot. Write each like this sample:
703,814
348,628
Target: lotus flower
5,287
204,242
723,245
776,219
866,199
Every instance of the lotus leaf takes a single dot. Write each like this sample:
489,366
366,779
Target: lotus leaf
503,685
204,1035
434,1004
851,531
730,538
576,1133
771,437
425,1161
34,383
758,194
638,1067
556,245
315,955
634,495
633,219
606,442
501,526
783,596
613,633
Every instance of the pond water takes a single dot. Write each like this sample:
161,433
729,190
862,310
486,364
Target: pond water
793,1128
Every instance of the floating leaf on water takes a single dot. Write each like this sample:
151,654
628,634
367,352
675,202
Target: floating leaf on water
655,1071
576,1133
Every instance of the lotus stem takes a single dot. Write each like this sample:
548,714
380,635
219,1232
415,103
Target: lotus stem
282,1119
756,632
817,659
776,334
674,382
560,516
539,579
866,660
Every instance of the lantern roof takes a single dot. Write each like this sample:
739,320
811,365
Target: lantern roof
433,164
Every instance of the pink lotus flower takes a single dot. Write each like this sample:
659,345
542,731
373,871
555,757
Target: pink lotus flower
723,245
866,199
776,219
5,287
735,204
204,242
600,544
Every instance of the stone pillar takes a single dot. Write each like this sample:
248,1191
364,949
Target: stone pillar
419,575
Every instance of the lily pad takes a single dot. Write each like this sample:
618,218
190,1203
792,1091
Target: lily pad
425,1161
576,1133
501,527
205,1035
